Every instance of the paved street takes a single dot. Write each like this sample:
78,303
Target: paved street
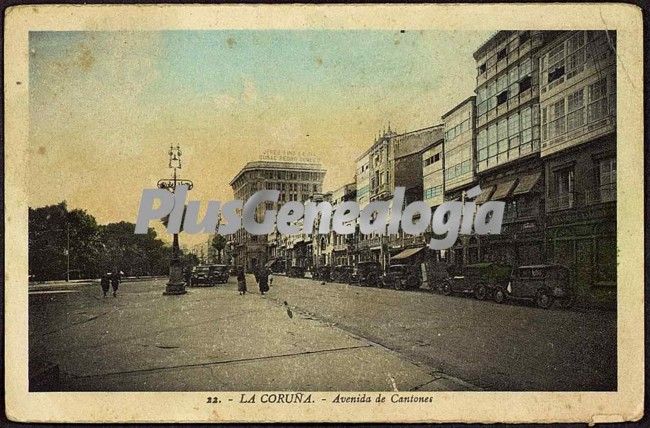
328,337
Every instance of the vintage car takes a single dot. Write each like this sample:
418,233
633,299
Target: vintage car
276,266
219,273
296,271
322,273
438,272
341,273
481,279
542,284
367,274
201,276
402,277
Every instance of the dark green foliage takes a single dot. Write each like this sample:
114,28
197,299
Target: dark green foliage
94,249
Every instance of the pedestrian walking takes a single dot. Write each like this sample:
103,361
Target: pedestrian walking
115,282
105,281
241,280
262,277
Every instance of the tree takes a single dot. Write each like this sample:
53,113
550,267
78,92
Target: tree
218,244
58,236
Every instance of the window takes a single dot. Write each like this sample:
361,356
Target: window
597,108
502,129
575,107
564,188
513,74
502,83
556,73
513,124
556,120
502,54
482,68
525,84
492,134
607,178
526,118
525,68
502,98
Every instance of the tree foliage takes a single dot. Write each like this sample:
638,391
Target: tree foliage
219,244
93,249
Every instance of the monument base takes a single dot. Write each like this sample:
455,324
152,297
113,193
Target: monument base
176,284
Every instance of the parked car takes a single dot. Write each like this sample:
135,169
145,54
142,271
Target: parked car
480,279
438,273
341,273
402,277
366,274
277,266
322,273
219,273
296,272
542,284
201,276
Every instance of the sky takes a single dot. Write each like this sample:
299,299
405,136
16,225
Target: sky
105,106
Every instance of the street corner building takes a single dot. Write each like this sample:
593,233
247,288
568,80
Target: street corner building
297,177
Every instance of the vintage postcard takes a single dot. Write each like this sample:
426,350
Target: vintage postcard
343,213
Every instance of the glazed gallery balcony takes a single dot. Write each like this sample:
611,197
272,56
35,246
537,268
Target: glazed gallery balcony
594,196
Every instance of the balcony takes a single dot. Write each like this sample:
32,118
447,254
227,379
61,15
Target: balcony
601,194
561,202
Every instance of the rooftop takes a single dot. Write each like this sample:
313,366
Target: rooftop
278,165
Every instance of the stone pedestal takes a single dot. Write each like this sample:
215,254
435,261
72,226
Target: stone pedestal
176,284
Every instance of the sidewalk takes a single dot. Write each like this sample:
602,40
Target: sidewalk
210,339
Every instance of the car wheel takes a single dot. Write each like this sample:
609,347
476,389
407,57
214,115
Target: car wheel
446,288
373,280
480,292
499,295
398,285
543,300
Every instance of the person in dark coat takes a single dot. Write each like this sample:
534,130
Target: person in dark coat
241,280
262,277
115,282
106,283
187,272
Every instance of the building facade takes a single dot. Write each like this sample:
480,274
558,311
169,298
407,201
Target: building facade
459,168
508,164
578,116
296,181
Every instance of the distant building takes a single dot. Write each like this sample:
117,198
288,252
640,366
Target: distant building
433,171
339,248
362,178
578,116
296,181
394,160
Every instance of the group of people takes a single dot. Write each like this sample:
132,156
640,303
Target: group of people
110,279
262,277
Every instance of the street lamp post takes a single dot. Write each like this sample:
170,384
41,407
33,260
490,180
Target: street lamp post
176,284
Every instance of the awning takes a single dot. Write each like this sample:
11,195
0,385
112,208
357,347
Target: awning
526,183
485,195
407,253
503,189
270,263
